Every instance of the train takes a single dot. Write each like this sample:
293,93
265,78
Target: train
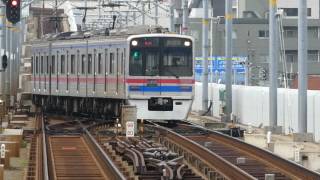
99,74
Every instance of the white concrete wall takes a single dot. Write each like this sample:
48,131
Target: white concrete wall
251,106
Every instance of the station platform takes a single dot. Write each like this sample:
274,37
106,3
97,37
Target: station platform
306,154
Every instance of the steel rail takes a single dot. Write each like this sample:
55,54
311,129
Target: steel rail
222,166
287,167
114,171
44,151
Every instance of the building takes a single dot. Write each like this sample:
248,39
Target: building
251,38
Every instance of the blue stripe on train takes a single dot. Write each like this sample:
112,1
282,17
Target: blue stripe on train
160,89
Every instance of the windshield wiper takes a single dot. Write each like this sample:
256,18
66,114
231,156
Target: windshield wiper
172,73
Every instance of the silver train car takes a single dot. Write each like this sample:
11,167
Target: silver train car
153,72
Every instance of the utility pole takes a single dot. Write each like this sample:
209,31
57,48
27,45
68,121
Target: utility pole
273,65
185,16
143,14
228,58
205,54
3,47
172,16
156,12
302,66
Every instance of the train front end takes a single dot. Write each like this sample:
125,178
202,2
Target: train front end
160,80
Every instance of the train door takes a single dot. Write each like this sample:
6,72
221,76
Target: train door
78,65
112,79
50,66
67,71
82,75
122,72
72,72
90,77
106,71
99,72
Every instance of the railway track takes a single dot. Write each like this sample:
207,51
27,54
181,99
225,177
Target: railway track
221,156
90,150
71,153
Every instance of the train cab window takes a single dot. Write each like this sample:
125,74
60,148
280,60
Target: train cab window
53,64
73,63
41,64
63,63
111,63
37,64
100,63
83,64
89,63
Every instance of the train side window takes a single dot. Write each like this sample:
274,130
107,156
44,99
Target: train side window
41,64
47,64
89,63
53,64
37,64
105,61
78,62
83,62
63,63
100,63
73,63
122,60
32,65
111,63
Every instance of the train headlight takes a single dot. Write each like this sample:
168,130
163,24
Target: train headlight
134,43
187,43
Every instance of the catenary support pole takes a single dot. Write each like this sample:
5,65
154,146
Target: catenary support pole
143,14
228,52
302,66
205,54
273,66
185,17
3,47
172,16
156,11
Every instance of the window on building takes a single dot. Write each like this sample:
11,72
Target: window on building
292,56
290,32
313,55
294,12
263,34
313,32
63,64
89,63
100,63
73,63
111,63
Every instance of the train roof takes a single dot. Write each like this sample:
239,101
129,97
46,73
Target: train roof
119,34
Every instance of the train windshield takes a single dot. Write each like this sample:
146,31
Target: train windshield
161,57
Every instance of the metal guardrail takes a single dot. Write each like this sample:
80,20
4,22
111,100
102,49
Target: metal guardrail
116,174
